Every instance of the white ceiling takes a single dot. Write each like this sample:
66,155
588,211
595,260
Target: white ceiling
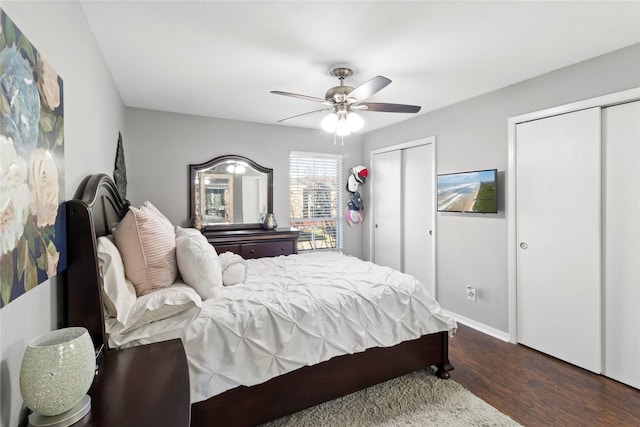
221,58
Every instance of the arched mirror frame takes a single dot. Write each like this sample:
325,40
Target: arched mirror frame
194,169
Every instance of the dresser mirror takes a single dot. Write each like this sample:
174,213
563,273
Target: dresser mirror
230,192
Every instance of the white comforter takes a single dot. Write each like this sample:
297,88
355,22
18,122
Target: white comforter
300,310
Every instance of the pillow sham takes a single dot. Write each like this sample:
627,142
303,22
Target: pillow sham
233,268
198,263
159,305
118,293
148,250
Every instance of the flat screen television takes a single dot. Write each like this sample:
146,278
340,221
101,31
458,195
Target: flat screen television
473,192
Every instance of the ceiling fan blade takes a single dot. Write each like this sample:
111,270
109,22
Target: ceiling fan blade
306,114
386,108
305,97
369,87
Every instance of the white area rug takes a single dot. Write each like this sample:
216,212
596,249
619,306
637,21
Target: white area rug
416,399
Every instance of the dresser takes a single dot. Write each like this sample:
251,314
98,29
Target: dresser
255,243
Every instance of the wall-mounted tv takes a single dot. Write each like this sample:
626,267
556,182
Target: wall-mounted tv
473,192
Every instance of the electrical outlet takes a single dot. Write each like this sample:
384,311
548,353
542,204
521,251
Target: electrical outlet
471,293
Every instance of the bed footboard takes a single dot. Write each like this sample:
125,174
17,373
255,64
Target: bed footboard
311,385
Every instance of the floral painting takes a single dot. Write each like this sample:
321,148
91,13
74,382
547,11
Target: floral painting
32,209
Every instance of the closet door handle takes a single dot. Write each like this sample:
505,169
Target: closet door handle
523,245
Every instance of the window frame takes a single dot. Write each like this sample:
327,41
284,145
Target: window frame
299,158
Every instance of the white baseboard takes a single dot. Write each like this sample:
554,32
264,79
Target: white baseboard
504,336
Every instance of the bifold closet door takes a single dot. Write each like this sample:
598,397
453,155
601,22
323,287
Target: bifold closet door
558,202
419,214
403,211
621,132
387,208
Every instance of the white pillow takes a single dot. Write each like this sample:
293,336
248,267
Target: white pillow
161,304
148,249
198,263
233,268
118,293
186,232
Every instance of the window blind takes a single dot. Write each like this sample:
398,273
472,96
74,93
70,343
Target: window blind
315,188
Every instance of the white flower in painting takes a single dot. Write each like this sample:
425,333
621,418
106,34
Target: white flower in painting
53,256
43,187
14,195
48,83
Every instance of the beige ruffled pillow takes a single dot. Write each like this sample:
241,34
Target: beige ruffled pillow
234,268
148,250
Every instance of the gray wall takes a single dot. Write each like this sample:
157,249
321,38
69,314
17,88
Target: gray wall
160,147
94,113
472,135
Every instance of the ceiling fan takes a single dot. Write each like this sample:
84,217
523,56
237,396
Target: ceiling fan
343,100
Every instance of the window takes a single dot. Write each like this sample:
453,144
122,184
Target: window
315,193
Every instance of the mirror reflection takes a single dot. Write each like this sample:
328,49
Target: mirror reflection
230,190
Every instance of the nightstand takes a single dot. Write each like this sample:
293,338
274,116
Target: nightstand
141,386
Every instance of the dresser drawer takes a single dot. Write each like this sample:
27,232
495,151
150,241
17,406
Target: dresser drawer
254,243
228,248
258,250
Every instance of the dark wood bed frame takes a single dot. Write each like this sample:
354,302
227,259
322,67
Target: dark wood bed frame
97,208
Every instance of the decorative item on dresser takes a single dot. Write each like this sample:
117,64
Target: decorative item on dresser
269,222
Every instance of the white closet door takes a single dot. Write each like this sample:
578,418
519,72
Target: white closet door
387,208
558,180
622,242
418,164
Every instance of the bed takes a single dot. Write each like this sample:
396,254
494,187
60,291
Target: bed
293,383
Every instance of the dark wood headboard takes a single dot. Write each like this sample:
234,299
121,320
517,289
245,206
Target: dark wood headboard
95,209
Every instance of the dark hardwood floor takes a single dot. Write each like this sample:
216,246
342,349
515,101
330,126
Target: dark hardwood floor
538,390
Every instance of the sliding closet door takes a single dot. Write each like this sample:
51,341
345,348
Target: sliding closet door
621,134
418,220
558,199
387,208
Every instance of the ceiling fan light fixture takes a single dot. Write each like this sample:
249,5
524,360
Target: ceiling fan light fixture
355,122
342,127
330,122
342,123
